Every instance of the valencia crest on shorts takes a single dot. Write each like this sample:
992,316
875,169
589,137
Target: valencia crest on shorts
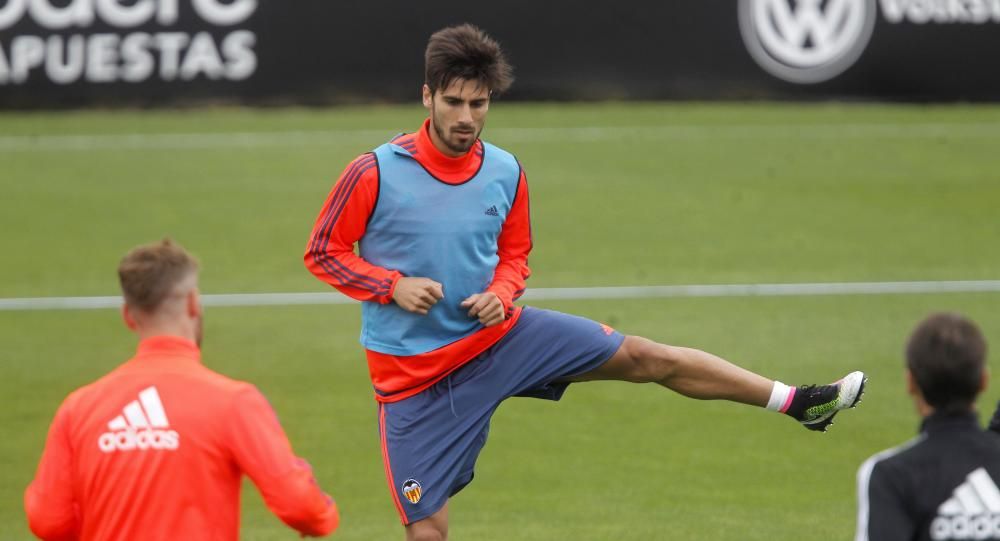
411,489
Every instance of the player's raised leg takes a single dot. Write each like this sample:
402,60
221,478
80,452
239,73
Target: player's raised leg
697,374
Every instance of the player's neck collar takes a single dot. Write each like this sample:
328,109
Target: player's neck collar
174,346
940,420
438,162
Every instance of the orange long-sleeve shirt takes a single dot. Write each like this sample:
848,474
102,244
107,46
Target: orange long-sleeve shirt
343,221
156,450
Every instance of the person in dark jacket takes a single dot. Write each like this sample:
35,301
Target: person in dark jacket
941,485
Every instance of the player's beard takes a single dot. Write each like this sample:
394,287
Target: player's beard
450,139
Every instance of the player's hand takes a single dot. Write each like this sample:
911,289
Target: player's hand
487,307
417,295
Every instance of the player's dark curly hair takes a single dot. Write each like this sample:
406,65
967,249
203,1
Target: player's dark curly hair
466,52
946,355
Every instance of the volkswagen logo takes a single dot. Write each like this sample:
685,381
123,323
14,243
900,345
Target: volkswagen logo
806,41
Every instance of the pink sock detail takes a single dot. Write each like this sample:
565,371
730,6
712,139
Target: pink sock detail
788,401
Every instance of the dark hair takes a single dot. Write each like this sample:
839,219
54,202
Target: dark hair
465,52
149,273
947,355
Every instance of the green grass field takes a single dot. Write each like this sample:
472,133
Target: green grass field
641,194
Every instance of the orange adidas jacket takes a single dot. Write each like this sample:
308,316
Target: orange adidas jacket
156,450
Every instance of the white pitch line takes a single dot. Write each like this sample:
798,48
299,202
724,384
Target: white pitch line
556,293
278,139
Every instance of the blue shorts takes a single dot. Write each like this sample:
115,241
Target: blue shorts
430,441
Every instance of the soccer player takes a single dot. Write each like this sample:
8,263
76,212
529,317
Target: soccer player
441,221
156,449
942,484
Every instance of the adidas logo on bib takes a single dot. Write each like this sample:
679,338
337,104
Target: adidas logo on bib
142,425
972,512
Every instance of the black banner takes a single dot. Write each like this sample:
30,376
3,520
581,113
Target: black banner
69,53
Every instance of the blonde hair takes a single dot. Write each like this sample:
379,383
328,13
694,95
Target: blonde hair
150,272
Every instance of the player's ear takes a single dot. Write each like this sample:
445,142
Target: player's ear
984,381
127,317
428,97
911,385
194,304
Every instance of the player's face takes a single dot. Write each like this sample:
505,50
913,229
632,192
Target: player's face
458,114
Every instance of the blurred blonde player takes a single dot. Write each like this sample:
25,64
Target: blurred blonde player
157,448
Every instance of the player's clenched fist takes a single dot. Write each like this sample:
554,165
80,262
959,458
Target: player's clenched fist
417,295
487,307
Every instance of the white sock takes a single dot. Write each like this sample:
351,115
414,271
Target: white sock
781,397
